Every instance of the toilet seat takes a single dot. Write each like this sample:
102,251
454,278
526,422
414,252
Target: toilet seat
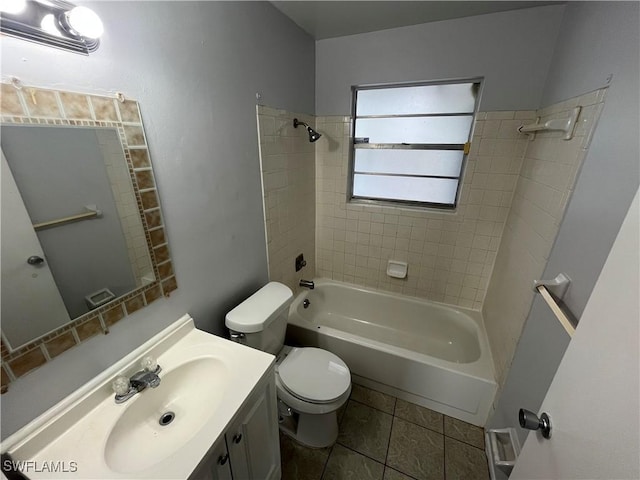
314,375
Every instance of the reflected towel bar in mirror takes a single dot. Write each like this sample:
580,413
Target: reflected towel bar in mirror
92,212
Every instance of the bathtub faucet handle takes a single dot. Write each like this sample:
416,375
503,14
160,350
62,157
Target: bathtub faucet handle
307,284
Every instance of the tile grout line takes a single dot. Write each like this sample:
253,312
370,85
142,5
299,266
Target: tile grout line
419,425
326,462
390,430
466,443
443,435
393,415
371,406
360,453
398,471
444,453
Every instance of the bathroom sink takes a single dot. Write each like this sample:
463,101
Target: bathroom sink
159,433
160,420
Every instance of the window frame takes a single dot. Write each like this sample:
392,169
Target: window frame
410,146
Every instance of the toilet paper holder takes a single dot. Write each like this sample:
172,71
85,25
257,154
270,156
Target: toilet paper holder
502,448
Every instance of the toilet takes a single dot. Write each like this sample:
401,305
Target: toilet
311,383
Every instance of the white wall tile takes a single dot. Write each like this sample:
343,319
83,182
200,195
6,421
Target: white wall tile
547,175
512,200
439,245
289,184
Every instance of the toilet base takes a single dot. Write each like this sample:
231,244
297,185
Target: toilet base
315,431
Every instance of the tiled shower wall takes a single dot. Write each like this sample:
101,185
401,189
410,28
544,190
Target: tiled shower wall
450,254
547,178
125,201
288,188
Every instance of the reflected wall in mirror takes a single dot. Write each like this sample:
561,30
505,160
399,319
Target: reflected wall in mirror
83,239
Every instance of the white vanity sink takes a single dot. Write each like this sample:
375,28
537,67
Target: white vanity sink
161,432
167,416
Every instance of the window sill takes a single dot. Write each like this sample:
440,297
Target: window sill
367,203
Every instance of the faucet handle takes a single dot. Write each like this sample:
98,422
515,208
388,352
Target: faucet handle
120,385
149,364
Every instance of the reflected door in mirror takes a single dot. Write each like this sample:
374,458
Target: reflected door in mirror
31,303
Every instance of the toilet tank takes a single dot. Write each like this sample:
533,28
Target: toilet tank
262,317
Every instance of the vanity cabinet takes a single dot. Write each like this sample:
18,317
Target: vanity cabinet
216,465
250,447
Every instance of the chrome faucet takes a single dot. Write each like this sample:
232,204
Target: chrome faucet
139,381
308,284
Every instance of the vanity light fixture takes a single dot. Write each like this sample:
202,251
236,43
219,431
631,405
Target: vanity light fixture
13,6
55,23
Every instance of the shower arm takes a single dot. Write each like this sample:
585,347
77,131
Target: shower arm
313,135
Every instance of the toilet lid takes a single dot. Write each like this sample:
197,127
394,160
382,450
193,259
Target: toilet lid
314,374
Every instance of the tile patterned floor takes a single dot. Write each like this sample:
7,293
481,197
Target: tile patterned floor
384,438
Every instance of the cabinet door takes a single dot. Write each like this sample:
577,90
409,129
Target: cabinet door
216,465
253,441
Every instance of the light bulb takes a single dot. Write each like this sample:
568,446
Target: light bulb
48,24
12,6
85,22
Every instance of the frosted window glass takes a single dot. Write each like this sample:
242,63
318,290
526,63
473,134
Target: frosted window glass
432,190
415,129
452,98
443,163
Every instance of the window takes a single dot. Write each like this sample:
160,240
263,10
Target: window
410,141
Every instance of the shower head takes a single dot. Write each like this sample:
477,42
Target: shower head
313,135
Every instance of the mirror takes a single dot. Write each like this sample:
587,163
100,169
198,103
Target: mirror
61,172
83,241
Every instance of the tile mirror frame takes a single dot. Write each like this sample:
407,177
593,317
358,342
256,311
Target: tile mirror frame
21,105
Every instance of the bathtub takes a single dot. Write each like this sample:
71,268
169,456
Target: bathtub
432,354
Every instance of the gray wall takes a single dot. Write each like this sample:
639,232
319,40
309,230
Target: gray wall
58,171
195,68
512,50
597,39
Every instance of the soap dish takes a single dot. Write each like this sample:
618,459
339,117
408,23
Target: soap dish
397,269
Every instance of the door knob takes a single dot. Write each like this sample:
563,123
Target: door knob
35,260
530,421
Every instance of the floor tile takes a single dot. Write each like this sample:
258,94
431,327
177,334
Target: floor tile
391,474
374,399
463,431
300,462
384,438
345,464
416,451
422,416
365,430
464,462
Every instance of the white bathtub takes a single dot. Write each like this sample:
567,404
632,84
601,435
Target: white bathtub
428,353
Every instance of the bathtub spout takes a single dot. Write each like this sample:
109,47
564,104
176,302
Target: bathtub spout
308,284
